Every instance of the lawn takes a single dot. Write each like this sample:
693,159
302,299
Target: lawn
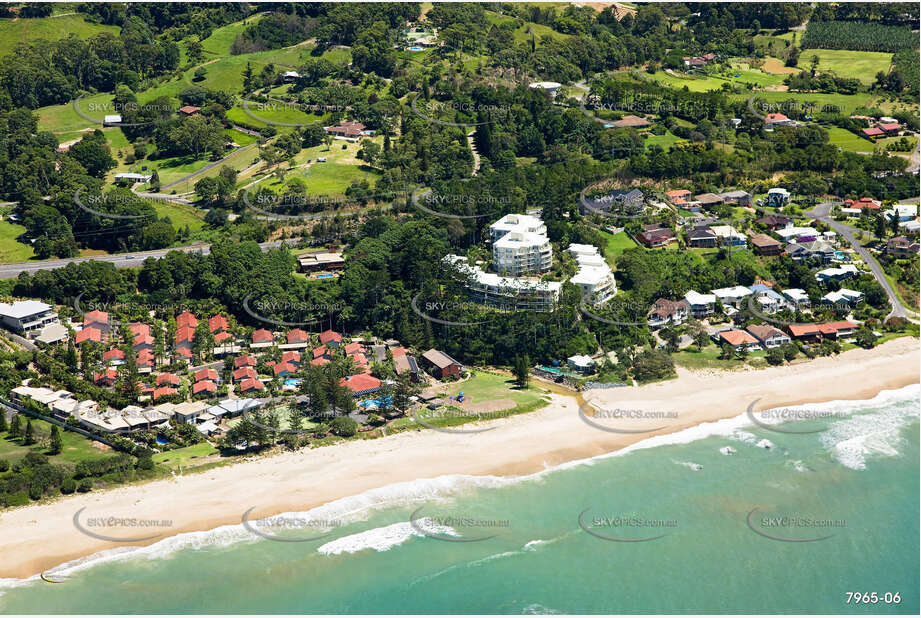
184,457
845,140
489,386
181,215
11,250
50,28
65,119
76,447
862,65
664,141
222,38
708,358
847,103
617,244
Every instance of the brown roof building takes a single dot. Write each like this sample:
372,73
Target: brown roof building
765,245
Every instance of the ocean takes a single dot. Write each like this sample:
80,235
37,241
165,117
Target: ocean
778,522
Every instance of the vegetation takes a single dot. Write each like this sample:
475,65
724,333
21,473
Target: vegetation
856,35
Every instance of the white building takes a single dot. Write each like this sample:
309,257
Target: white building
581,363
551,88
790,234
513,293
700,304
844,271
904,212
519,253
728,235
27,317
594,277
732,296
516,223
843,296
797,296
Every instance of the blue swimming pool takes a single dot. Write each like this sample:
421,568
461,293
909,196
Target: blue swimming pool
162,440
293,382
376,403
325,276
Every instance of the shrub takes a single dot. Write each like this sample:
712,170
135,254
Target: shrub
85,486
344,426
4,465
68,486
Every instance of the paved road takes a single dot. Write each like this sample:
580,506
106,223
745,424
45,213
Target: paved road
850,233
121,260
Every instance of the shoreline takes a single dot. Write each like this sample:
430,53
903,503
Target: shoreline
39,537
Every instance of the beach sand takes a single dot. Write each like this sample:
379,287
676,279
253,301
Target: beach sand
36,538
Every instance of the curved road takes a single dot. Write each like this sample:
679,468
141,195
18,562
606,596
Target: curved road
821,212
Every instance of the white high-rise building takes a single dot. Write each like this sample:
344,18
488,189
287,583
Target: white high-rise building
594,276
520,245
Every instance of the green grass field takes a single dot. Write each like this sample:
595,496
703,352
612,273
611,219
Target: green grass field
76,447
181,215
664,141
845,140
862,65
617,244
50,28
11,250
184,457
218,44
488,386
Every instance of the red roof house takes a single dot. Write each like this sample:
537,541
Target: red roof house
88,334
296,335
361,384
205,386
263,336
251,385
105,378
205,374
244,361
163,391
186,319
330,337
244,373
167,378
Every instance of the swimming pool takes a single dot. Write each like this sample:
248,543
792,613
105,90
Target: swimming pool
325,276
376,403
162,440
416,49
293,382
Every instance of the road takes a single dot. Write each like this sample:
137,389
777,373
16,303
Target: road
821,212
121,260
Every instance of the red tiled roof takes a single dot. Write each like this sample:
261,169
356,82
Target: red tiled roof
889,126
843,325
360,383
109,375
873,131
244,372
330,335
145,358
204,385
360,359
185,334
398,351
737,337
167,378
775,117
291,356
113,353
205,374
244,361
353,348
91,317
189,109
319,361
802,330
88,334
251,385
296,335
321,351
137,328
222,336
217,323
184,352
262,336
284,367
163,391
677,193
186,318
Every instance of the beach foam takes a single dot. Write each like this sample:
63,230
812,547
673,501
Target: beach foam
381,539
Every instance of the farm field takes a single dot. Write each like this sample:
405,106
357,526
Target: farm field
862,65
14,32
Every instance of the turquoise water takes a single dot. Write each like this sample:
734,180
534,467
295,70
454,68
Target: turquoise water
861,473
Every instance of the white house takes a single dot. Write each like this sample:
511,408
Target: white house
581,363
594,276
904,212
843,296
790,234
732,296
700,304
27,317
797,296
844,271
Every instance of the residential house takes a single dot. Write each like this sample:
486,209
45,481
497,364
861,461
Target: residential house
622,201
863,203
845,271
774,120
775,222
682,194
631,121
818,249
737,197
114,357
732,296
297,336
322,261
207,373
164,391
142,339
98,320
244,373
763,244
666,312
168,379
440,364
88,334
814,333
768,301
708,200
189,110
347,129
797,234
700,305
728,236
292,357
251,385
246,360
188,412
738,339
902,212
768,336
843,298
902,247
145,361
701,237
594,277
777,197
798,297
219,328
105,378
186,319
655,235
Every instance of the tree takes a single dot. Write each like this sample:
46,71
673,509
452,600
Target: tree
522,369
344,426
789,351
726,351
774,356
3,425
29,437
700,339
671,338
57,444
16,427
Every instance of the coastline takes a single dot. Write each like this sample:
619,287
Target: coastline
39,537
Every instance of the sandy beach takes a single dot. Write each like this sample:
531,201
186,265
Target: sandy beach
36,538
